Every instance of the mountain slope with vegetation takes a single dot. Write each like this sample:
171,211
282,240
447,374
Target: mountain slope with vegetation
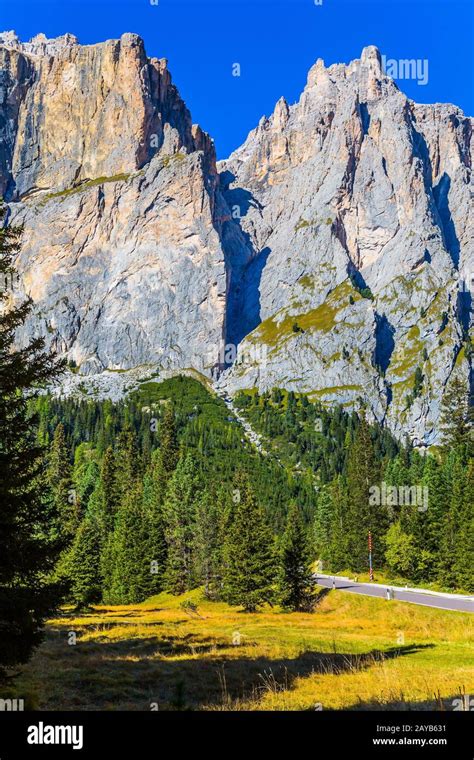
163,492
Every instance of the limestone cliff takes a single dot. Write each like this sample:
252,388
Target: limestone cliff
335,247
358,206
116,189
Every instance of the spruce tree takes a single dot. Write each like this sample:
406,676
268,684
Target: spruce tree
250,571
339,557
207,544
127,460
85,476
463,566
161,468
457,418
169,446
166,462
125,560
65,497
457,545
153,498
27,549
363,472
428,527
179,513
323,525
83,563
296,580
109,488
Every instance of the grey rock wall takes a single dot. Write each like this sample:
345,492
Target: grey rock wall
334,247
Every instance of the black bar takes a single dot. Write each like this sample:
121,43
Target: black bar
154,734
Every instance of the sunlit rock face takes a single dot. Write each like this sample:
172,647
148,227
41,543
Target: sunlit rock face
82,112
355,185
334,247
118,193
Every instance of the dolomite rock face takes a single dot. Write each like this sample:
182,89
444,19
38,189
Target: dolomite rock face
82,112
117,192
127,272
335,247
356,185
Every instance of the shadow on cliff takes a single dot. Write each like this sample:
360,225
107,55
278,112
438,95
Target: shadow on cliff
441,196
384,341
244,262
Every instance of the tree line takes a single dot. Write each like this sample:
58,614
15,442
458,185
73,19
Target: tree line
134,531
427,541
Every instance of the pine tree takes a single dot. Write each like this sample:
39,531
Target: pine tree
109,488
323,525
27,550
65,498
249,552
153,498
463,567
457,418
162,466
339,556
126,468
296,581
85,474
168,440
207,544
168,457
125,561
83,564
363,472
457,547
429,524
179,512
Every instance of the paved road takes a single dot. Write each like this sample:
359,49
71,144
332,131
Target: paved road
441,601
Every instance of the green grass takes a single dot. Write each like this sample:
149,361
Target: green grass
407,356
351,653
84,186
302,223
306,281
186,393
174,157
274,330
461,356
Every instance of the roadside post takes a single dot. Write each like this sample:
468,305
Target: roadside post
371,570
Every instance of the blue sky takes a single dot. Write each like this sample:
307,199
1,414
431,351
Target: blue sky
274,41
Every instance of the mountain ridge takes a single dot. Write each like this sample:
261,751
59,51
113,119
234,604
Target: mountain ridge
333,251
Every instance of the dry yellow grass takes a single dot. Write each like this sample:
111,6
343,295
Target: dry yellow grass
352,653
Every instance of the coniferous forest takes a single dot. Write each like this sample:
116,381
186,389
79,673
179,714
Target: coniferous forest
163,492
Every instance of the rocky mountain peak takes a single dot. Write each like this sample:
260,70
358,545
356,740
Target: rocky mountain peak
333,248
372,57
75,113
39,45
356,190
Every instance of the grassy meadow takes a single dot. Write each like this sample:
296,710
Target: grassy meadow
351,653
